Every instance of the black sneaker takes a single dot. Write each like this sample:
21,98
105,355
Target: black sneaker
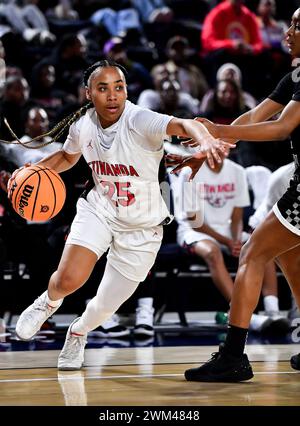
295,362
116,331
143,330
221,368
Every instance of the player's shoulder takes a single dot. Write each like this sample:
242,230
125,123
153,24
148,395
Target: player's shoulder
76,126
229,164
132,109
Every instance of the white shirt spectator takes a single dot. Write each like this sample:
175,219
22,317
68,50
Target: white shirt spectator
222,192
277,185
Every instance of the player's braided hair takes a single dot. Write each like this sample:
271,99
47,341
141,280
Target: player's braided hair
64,124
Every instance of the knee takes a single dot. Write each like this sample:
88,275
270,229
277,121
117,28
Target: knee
214,256
66,281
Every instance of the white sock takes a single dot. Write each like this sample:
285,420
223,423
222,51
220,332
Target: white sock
271,303
257,321
146,302
53,303
113,290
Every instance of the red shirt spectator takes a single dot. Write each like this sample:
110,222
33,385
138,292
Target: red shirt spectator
231,26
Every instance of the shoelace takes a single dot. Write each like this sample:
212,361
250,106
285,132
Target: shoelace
41,305
74,344
143,314
214,356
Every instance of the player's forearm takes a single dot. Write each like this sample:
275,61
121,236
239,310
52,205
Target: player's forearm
236,230
246,118
266,131
206,229
188,128
261,113
196,130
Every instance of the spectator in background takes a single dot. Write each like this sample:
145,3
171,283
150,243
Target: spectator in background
231,26
117,23
138,77
273,37
169,100
153,11
231,34
63,10
25,18
15,103
69,60
36,123
229,71
43,90
151,99
272,31
190,77
226,104
225,194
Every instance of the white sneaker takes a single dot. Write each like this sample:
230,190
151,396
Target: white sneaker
276,325
258,322
144,321
32,319
72,354
279,324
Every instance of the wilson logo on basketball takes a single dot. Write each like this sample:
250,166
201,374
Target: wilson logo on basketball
12,190
44,209
23,202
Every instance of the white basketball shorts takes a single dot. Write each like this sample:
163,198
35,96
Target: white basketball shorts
132,253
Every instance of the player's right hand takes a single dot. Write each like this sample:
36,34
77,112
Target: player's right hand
181,161
12,178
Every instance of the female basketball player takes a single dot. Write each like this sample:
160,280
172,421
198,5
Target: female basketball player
278,237
122,211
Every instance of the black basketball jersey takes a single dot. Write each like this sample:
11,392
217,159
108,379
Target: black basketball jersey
288,89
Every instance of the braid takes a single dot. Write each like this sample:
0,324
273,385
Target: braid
71,119
64,124
55,133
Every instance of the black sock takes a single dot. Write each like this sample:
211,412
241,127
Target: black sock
235,340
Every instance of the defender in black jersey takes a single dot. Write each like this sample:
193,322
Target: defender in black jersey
277,237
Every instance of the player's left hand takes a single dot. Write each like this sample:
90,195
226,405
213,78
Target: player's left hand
181,161
4,178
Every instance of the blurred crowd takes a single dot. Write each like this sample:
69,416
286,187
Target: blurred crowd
187,58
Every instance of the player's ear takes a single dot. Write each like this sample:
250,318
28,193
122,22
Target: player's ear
87,93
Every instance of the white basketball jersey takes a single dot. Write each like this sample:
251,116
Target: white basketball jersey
126,191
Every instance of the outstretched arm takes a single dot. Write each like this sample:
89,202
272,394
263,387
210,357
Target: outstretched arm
254,128
265,110
208,146
262,112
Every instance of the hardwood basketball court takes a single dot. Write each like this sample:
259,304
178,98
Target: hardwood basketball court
151,376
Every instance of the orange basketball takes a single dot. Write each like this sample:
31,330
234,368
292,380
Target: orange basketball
38,193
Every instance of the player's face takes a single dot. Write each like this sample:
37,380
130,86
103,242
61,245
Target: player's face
107,90
293,35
